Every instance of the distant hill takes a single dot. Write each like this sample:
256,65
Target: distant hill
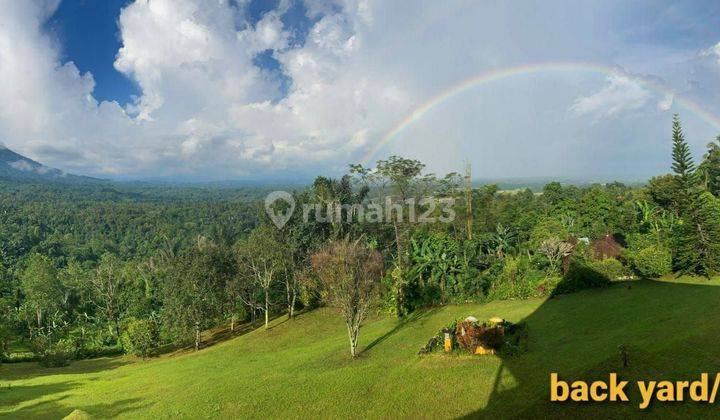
16,167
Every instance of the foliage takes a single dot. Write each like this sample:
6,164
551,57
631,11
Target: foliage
652,262
194,290
697,239
81,262
51,352
349,272
683,167
709,169
555,250
611,268
580,276
141,337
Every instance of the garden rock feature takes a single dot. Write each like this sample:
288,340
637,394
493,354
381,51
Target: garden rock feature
480,338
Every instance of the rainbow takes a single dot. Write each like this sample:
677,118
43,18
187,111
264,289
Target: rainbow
508,72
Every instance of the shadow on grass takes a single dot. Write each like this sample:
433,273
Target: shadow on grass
53,409
416,316
578,336
45,401
219,335
27,370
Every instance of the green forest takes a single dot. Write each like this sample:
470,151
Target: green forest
98,269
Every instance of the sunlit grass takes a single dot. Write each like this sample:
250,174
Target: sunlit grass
302,368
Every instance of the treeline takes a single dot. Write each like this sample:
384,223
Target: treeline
83,275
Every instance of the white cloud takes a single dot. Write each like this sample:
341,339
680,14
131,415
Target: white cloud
205,106
666,103
621,94
206,109
713,52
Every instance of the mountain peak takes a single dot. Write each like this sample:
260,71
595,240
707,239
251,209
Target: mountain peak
16,167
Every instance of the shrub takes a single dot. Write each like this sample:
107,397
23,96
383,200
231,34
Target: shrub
610,268
638,241
56,354
518,280
580,275
141,337
652,262
92,352
516,340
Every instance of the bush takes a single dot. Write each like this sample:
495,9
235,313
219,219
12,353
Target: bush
56,355
610,268
518,280
141,337
580,275
638,241
20,357
92,352
652,262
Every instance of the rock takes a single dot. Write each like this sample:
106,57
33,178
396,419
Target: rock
77,414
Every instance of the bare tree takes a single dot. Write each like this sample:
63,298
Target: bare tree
349,272
555,250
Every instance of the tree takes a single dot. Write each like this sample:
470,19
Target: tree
400,180
555,250
107,286
710,168
697,237
262,257
7,291
349,272
291,289
194,289
41,286
664,192
683,166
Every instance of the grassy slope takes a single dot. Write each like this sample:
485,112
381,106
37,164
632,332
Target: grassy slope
300,368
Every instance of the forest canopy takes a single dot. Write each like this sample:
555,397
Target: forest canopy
108,268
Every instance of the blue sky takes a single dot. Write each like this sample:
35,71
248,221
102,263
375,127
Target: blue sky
200,89
88,33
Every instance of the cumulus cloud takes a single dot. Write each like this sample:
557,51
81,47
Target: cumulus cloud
205,105
621,94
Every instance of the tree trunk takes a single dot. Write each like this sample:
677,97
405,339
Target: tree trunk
290,299
197,336
232,323
38,313
117,329
292,305
353,334
267,308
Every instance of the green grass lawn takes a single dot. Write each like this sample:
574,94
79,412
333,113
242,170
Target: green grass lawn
302,369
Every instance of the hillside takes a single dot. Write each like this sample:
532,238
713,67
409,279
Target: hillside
16,167
300,368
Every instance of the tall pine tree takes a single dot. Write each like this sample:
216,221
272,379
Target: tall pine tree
684,167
